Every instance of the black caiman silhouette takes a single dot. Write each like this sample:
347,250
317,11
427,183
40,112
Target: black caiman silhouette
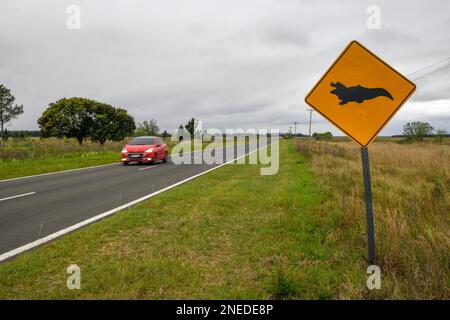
357,93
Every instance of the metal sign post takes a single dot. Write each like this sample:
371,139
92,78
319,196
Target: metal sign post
359,94
369,207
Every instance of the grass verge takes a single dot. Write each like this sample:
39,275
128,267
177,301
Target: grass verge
36,156
230,234
21,168
411,198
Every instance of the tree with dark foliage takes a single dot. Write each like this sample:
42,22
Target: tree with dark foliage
147,128
8,110
417,130
82,118
191,127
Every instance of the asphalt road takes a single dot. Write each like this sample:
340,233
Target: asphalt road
35,207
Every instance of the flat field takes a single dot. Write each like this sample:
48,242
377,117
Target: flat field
234,234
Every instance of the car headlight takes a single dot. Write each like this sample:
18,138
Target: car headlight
149,150
124,150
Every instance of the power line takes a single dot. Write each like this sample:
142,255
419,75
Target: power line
431,65
424,72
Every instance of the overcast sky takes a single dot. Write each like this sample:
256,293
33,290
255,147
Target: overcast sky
232,64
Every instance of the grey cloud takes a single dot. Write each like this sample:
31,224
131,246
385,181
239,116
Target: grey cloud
434,86
229,63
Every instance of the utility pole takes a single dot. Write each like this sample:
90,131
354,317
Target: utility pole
310,119
295,126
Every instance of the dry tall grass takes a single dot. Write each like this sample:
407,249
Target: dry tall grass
411,198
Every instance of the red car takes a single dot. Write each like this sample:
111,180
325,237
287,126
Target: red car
144,150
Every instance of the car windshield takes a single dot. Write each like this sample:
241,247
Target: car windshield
142,141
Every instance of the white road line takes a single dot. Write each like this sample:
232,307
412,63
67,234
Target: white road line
146,168
58,234
56,172
18,196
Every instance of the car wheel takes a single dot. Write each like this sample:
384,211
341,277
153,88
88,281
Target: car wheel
125,163
155,158
165,158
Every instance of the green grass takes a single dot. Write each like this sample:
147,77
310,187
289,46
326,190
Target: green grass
26,167
35,156
231,234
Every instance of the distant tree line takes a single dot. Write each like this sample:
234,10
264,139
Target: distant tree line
322,136
289,134
82,118
419,130
20,134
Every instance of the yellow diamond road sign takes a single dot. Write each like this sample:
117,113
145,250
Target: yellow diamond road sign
360,93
